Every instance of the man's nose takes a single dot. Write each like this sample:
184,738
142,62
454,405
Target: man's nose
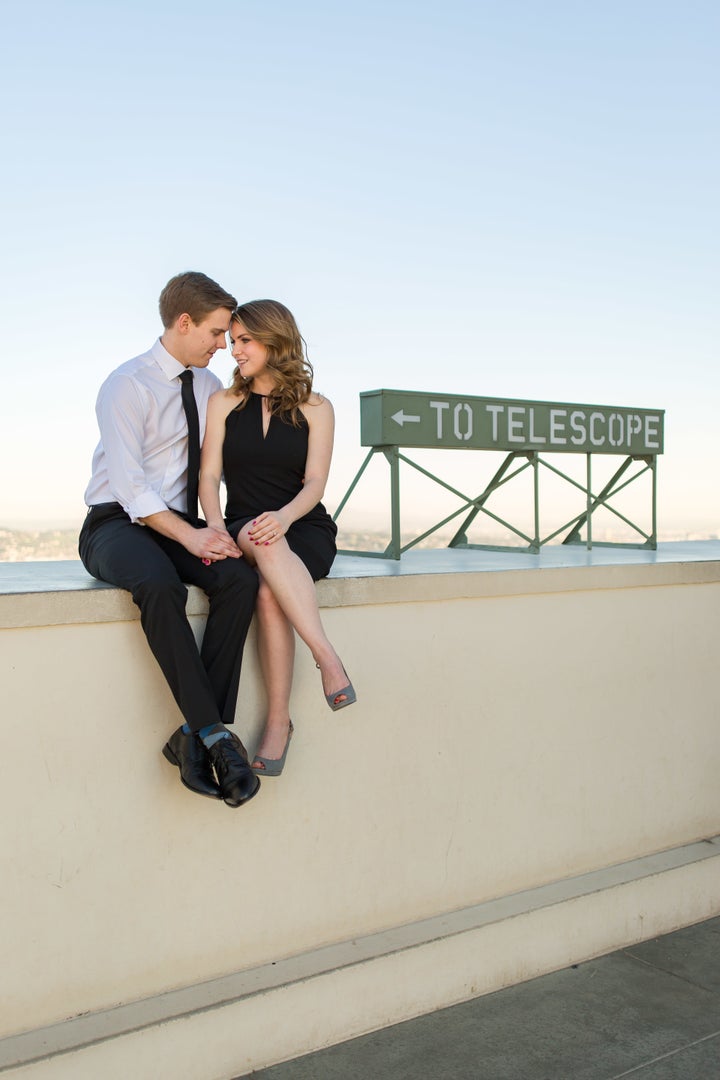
221,343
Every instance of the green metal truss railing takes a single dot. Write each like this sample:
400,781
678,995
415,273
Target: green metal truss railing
472,506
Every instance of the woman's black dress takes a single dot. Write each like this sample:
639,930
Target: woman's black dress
267,472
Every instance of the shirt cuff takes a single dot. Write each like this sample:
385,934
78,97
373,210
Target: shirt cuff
146,504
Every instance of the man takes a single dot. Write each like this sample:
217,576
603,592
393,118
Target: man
142,533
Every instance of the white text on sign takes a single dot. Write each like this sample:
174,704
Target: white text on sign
564,427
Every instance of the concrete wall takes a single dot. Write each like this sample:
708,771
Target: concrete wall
513,730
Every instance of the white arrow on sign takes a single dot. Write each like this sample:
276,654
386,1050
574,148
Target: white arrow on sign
400,418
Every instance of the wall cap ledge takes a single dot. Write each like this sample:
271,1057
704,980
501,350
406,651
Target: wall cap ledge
62,592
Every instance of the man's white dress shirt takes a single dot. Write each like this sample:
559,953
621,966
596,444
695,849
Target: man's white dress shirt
141,459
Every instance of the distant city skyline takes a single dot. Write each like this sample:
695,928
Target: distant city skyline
513,201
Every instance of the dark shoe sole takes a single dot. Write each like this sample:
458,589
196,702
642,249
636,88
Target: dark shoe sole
168,754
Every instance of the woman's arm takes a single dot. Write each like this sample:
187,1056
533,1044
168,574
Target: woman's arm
320,417
211,459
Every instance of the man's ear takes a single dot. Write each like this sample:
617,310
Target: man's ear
183,323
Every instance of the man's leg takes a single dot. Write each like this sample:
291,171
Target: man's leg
130,556
231,586
127,555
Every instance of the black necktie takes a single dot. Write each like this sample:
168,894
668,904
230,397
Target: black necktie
193,423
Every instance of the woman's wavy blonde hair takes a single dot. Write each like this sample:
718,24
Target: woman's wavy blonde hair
270,323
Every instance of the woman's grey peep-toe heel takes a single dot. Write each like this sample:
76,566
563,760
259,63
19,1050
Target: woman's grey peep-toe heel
348,692
273,766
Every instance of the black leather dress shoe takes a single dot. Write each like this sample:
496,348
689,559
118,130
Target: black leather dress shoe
238,783
191,757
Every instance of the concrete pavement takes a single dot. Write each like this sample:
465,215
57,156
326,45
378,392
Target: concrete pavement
649,1012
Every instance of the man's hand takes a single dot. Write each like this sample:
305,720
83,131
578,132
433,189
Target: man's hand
211,545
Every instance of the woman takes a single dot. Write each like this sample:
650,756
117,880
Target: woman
270,435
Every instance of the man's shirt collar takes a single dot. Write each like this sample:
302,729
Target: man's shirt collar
170,367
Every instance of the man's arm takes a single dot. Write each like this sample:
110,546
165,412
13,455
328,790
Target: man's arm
121,418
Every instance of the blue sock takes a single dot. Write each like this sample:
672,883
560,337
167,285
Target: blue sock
212,733
209,734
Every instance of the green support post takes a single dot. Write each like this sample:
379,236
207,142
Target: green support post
392,455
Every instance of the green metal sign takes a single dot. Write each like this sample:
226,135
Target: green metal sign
451,422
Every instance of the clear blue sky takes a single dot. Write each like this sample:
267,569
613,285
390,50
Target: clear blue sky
506,199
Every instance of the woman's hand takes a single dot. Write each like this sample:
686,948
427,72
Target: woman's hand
269,527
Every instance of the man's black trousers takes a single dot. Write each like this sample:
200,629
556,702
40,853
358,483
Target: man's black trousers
153,568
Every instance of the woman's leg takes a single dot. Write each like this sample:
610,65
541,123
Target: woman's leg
294,590
276,650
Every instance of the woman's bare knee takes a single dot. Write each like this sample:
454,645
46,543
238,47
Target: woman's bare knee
245,544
